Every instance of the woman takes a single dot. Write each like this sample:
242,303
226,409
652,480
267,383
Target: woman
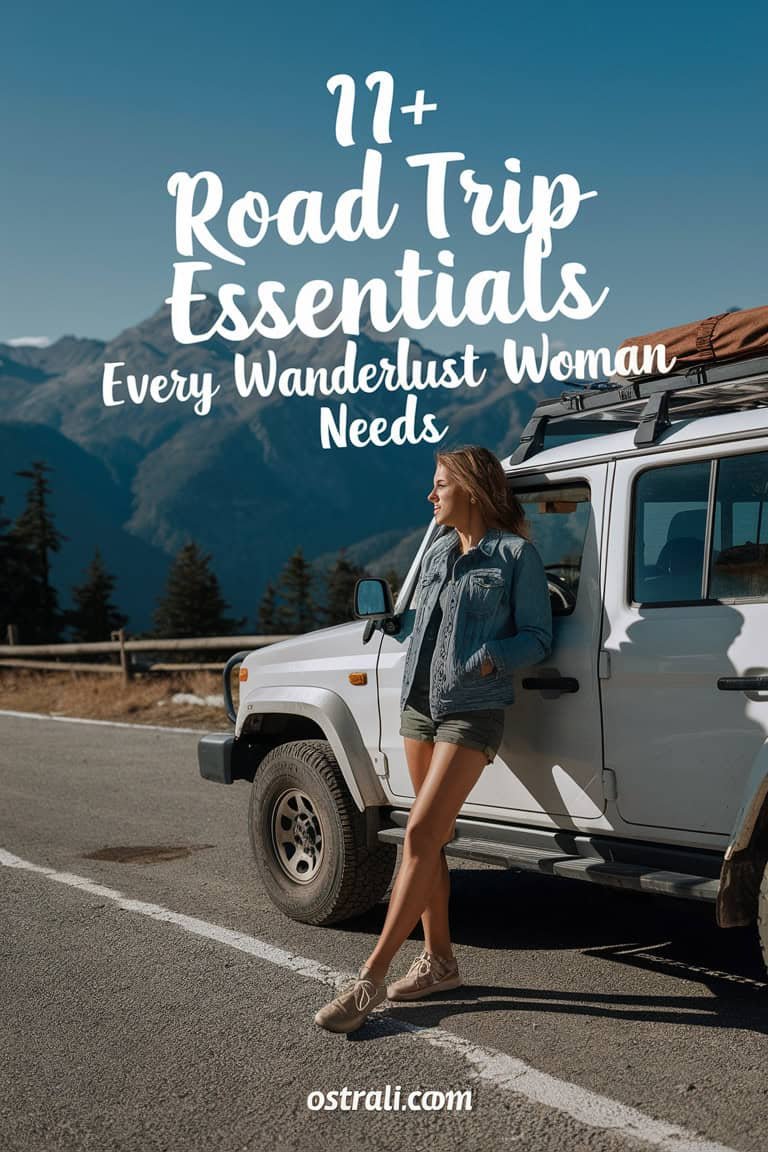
483,612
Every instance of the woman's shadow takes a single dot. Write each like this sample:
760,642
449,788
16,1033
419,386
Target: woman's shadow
657,934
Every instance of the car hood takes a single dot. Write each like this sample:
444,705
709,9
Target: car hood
335,639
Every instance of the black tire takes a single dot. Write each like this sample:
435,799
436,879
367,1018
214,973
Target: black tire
762,915
308,837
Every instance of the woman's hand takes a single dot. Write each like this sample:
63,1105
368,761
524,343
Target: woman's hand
474,667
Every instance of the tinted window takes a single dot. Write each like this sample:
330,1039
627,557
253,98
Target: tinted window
670,521
739,565
558,517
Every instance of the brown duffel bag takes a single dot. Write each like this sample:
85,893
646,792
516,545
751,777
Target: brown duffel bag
729,336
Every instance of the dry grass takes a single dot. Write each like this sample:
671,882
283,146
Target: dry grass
146,700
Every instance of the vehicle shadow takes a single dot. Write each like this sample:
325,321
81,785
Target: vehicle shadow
557,913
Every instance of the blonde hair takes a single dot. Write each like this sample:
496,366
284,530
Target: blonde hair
481,475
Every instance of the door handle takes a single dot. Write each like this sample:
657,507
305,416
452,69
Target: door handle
551,683
743,683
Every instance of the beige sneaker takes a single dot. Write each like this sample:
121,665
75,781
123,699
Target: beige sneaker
349,1009
427,974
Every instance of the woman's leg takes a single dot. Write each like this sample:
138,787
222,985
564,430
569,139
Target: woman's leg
434,918
453,773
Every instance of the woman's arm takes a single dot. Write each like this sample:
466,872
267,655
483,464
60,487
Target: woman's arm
533,619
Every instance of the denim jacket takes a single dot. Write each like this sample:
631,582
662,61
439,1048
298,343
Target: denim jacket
498,608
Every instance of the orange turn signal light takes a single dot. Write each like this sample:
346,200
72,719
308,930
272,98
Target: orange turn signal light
358,677
242,674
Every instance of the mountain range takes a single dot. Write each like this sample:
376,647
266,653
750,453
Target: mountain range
250,481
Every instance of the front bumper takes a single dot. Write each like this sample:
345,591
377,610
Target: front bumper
214,755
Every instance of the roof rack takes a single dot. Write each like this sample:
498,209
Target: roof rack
651,400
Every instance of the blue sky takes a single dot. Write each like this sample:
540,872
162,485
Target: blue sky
661,108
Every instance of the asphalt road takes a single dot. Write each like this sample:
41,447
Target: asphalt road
589,1020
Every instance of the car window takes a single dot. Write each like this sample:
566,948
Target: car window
669,515
558,516
739,557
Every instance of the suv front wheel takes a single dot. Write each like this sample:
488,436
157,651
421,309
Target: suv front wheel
308,838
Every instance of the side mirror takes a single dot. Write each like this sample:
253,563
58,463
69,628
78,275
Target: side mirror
373,599
373,603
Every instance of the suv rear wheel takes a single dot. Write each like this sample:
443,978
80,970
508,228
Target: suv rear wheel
308,838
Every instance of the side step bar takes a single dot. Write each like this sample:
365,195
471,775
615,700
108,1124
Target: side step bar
614,874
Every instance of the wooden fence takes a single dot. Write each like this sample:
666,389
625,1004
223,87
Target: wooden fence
17,655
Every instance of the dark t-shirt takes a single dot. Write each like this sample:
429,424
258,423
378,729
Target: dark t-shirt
418,697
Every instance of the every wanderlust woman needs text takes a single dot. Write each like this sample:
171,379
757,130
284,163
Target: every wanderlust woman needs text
418,292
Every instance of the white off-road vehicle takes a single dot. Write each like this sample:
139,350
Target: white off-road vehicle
636,755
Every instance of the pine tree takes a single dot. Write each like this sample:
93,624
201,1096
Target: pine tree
266,620
340,586
192,604
94,616
296,612
36,536
18,591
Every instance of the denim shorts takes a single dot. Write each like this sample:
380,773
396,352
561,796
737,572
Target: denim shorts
481,729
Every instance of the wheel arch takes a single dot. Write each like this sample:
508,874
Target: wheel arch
334,722
746,854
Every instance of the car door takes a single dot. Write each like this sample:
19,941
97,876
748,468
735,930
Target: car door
550,760
686,627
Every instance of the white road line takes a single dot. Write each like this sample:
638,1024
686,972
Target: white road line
496,1068
108,723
